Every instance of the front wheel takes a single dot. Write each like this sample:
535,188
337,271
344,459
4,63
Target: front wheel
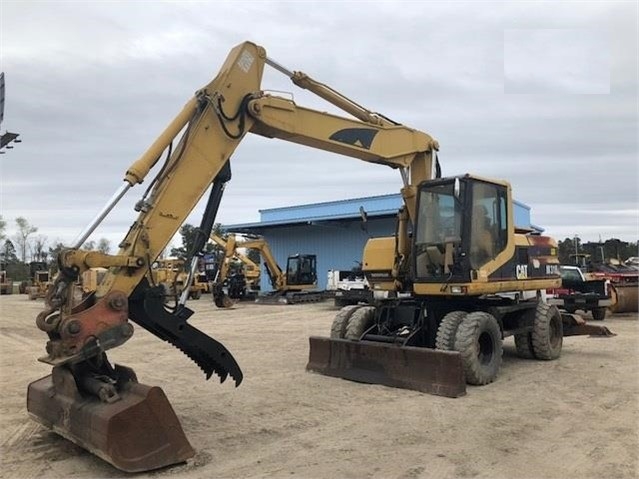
547,333
338,328
361,319
447,329
478,340
599,314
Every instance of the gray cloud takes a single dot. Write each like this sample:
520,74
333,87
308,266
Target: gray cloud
90,86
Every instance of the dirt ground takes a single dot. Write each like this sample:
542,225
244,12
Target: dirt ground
577,417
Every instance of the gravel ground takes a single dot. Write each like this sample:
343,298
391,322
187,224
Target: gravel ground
577,417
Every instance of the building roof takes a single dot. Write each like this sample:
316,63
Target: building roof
375,207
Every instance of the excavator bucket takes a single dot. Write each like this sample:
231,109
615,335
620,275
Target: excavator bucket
421,369
137,431
221,299
625,298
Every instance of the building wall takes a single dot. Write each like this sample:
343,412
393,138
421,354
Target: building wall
337,245
333,230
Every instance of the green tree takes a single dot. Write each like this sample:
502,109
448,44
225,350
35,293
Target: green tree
22,236
568,247
8,254
188,232
54,252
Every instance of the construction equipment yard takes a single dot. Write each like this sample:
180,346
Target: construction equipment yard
574,417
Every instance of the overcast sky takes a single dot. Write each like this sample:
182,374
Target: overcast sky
543,94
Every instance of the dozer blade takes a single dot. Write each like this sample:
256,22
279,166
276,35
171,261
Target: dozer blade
137,432
421,369
575,325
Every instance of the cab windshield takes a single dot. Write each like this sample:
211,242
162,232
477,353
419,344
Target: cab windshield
439,230
439,216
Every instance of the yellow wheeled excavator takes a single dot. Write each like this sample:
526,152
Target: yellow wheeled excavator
439,254
296,284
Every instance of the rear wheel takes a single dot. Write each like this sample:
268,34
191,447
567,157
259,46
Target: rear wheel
338,328
599,314
523,344
478,340
447,328
548,332
359,322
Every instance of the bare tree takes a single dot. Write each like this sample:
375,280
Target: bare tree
38,250
3,225
22,236
104,246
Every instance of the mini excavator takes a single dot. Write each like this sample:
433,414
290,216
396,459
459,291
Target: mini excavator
296,284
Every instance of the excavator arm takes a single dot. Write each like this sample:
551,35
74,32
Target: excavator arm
213,122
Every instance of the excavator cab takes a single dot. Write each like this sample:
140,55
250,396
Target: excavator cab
301,270
462,224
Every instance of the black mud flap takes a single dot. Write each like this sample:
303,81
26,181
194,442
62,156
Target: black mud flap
420,369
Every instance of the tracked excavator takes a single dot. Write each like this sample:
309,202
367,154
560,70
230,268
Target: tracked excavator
297,284
438,258
239,285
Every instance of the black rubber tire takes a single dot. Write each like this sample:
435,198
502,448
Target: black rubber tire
523,345
361,319
599,314
478,340
338,328
548,332
340,303
447,328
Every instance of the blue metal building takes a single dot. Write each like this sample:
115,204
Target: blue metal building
334,230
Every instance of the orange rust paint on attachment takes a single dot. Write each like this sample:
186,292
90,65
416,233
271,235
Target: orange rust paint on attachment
109,311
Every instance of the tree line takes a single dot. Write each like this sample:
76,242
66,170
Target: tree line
27,246
598,251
